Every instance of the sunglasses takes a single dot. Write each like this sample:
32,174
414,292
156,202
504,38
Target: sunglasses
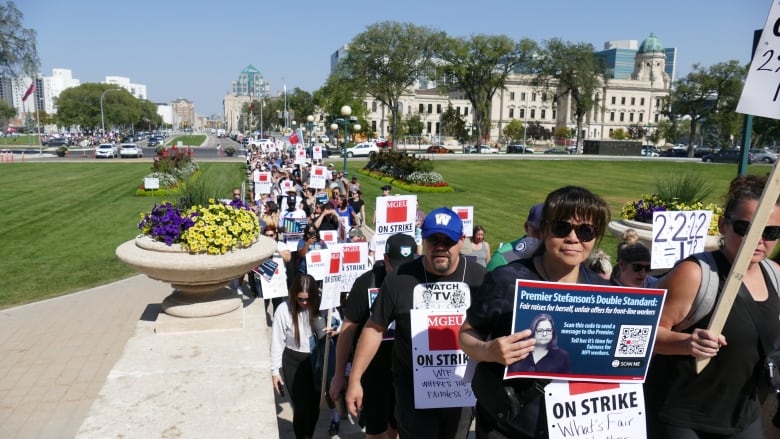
437,241
639,267
544,331
585,232
302,299
770,233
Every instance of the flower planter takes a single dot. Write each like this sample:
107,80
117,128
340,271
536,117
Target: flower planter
645,232
199,280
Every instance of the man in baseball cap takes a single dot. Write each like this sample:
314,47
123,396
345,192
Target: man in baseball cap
441,268
523,247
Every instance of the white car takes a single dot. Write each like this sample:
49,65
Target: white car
130,150
105,150
487,149
362,149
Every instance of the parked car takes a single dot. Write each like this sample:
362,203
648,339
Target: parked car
675,152
728,156
556,151
155,140
481,149
519,149
650,151
438,149
323,138
57,141
105,150
764,156
130,150
362,149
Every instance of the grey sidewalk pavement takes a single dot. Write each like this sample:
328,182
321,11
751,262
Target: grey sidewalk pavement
89,365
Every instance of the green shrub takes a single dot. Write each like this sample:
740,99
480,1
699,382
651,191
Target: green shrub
683,188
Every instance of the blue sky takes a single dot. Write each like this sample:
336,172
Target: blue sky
194,49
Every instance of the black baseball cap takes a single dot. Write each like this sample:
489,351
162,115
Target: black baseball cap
387,187
400,248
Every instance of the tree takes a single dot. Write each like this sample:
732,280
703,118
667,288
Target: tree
619,134
6,113
478,67
414,125
452,124
765,130
706,93
537,131
514,130
385,61
18,47
80,106
636,131
571,69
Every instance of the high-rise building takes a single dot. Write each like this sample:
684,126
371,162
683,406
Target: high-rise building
618,56
250,83
137,90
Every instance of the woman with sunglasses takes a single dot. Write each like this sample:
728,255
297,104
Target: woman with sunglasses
573,222
633,263
291,362
724,400
546,356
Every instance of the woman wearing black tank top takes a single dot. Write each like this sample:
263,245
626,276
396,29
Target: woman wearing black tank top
724,400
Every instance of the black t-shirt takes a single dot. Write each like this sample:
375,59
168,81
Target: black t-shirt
397,298
356,309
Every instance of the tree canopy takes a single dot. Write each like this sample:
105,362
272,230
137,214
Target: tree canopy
80,106
18,47
386,60
479,66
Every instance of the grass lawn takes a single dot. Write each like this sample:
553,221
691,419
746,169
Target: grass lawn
61,222
192,140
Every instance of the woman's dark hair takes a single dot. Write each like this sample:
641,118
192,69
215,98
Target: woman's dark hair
272,228
571,202
303,283
746,187
630,249
271,207
546,317
310,231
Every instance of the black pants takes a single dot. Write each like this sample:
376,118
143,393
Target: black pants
299,380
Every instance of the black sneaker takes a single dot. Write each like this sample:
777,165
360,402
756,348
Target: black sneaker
334,428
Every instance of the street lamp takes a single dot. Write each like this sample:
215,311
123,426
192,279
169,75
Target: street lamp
310,128
102,118
345,119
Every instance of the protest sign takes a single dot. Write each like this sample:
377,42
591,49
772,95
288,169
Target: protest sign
595,410
439,364
394,214
677,235
466,215
317,178
316,152
592,332
331,281
761,92
318,263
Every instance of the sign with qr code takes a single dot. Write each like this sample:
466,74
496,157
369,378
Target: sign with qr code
586,332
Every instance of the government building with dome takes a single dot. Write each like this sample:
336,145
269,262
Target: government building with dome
639,77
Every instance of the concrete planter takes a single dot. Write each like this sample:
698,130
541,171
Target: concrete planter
199,280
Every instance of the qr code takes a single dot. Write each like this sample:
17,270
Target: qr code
633,341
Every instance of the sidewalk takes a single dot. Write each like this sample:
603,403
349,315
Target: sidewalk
89,365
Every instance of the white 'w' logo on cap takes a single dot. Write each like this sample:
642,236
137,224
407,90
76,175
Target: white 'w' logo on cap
443,219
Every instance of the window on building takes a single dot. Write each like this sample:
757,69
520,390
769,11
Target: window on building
511,113
422,108
511,96
630,117
522,113
614,100
457,109
438,127
623,100
656,118
542,114
533,97
657,102
373,125
523,96
438,108
610,132
430,108
633,101
612,116
466,111
533,113
373,106
641,116
622,117
429,127
642,101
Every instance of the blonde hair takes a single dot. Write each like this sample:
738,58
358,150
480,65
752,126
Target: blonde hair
630,249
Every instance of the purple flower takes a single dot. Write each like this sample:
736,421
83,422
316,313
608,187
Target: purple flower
165,223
